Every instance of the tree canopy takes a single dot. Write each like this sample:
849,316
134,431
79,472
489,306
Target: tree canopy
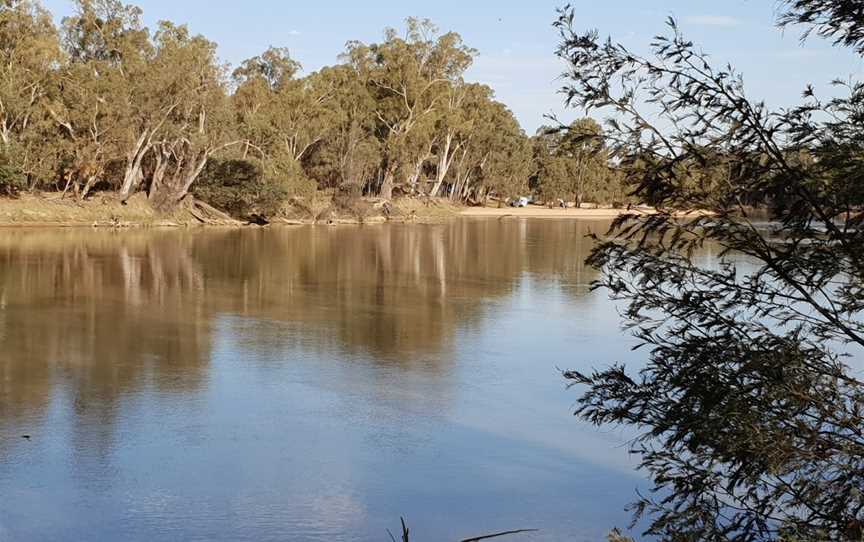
104,103
573,164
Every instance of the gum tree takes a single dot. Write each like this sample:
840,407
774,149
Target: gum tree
410,78
198,121
29,51
571,163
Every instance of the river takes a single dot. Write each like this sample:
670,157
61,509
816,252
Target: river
308,383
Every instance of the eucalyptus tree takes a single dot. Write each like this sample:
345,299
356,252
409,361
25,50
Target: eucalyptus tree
198,120
273,68
409,78
494,155
350,156
29,53
157,102
551,173
482,118
508,165
572,162
257,80
455,126
750,407
106,101
304,117
584,147
101,102
90,123
280,116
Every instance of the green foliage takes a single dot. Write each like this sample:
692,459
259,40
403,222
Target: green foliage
12,179
104,102
283,170
572,164
839,20
409,79
508,161
240,188
274,68
29,54
750,405
351,153
494,156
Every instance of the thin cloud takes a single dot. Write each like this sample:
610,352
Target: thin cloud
293,32
712,20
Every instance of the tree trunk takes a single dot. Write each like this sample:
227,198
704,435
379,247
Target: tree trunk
416,174
192,175
167,192
133,176
386,190
159,171
444,161
87,187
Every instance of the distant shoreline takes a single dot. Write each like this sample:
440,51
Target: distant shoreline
556,213
52,212
541,212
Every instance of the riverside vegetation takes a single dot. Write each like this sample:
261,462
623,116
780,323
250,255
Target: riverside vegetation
105,109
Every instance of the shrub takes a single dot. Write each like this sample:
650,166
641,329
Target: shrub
12,179
240,188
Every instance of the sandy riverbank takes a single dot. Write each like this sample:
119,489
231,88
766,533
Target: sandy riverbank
544,212
107,211
53,211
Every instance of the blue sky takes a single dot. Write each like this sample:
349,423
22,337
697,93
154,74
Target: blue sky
515,38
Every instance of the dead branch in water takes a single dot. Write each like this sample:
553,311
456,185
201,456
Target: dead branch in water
499,535
406,534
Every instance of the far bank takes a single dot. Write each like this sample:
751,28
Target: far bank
107,211
31,210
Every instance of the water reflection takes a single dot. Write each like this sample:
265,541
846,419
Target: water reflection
104,313
347,364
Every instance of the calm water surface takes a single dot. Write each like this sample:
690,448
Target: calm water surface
309,384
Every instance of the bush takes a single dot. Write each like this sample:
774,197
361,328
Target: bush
12,179
281,168
240,188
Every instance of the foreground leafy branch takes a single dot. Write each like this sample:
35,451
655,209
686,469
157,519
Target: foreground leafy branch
750,409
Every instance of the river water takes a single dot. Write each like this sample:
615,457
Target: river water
309,383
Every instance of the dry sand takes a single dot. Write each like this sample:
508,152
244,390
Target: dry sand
52,211
544,212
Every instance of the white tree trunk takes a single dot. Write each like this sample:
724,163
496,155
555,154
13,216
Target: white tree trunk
445,159
132,176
